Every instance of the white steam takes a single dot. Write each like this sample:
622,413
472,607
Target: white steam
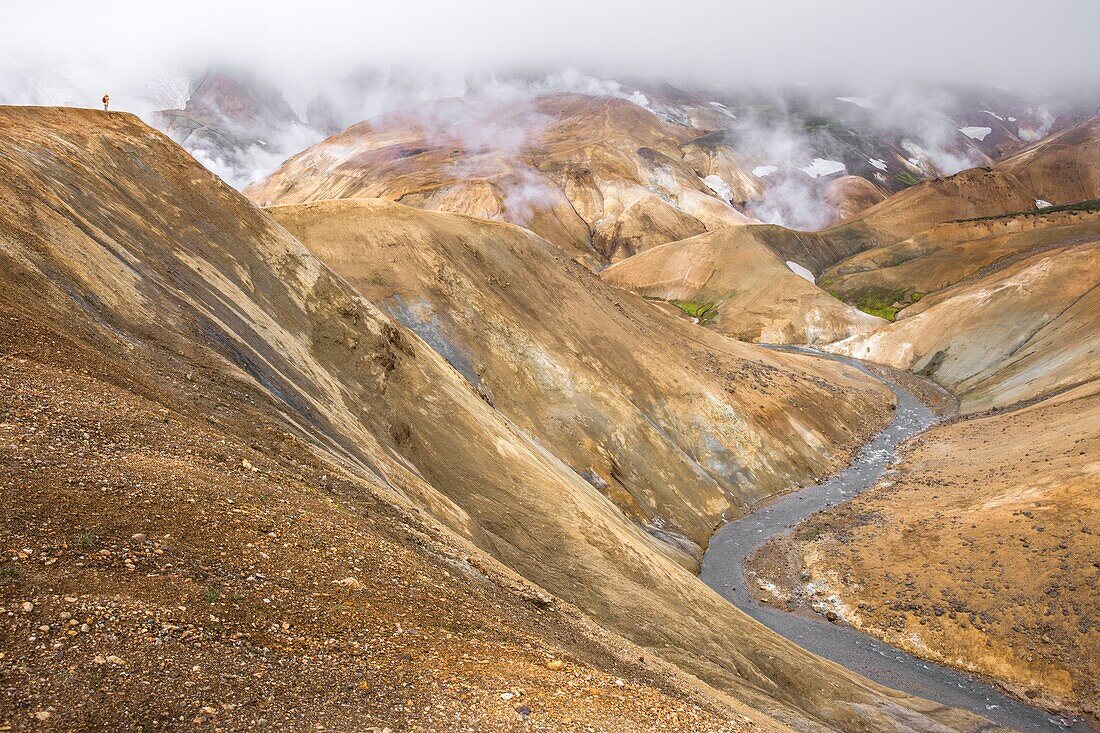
1039,125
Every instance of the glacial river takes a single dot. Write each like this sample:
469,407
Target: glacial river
723,569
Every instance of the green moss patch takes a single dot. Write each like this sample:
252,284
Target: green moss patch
705,312
907,178
1089,205
879,303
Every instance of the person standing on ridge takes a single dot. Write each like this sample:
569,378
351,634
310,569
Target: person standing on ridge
106,101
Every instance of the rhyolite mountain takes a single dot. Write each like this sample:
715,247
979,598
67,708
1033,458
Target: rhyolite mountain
236,471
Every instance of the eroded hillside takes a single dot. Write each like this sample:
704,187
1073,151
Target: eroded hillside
602,178
1060,169
1019,332
733,281
948,253
679,429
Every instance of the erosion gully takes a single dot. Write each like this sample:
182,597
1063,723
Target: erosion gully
723,569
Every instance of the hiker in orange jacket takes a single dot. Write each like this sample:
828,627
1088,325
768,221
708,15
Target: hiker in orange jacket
106,101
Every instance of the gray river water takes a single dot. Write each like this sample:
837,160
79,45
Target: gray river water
723,570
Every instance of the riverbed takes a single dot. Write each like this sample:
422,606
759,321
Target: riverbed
723,569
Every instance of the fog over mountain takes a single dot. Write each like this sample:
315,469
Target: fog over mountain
857,42
337,63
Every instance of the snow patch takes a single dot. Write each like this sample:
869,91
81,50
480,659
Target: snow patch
1011,119
801,271
720,187
763,171
994,114
880,164
976,133
865,102
822,167
1040,204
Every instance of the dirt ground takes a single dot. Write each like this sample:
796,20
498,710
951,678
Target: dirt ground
162,570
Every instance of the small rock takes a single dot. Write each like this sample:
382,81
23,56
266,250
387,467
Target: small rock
27,606
555,664
523,711
348,583
116,660
42,715
209,710
139,537
506,696
832,616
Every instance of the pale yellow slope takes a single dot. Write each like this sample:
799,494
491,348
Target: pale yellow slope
756,295
619,392
1015,334
944,255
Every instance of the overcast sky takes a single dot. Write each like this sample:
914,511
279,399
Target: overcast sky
1025,44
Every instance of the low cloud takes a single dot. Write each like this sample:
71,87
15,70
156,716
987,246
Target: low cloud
342,62
862,43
